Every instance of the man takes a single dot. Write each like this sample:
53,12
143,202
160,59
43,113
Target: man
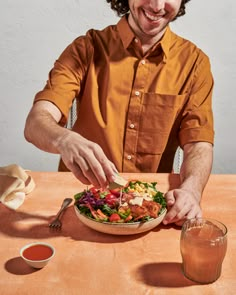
142,91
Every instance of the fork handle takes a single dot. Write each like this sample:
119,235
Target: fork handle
64,205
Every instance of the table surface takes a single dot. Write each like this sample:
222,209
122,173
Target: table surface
88,262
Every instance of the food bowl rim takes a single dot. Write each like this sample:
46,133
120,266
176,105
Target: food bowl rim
120,223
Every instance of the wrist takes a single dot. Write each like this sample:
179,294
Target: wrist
60,140
192,188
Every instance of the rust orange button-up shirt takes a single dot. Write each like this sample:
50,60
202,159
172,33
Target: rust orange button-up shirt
137,107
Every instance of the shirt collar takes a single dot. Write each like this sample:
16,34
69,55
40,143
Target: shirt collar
127,36
165,43
125,31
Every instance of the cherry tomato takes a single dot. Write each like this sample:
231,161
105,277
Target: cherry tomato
115,192
95,192
114,217
111,200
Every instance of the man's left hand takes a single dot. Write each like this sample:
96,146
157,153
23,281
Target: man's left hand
181,205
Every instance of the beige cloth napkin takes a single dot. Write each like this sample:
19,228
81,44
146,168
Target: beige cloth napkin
15,183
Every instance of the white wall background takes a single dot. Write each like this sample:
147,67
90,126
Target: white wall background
34,33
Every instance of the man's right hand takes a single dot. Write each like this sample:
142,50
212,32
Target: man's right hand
85,159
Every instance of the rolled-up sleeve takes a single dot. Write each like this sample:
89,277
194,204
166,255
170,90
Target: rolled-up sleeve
197,120
64,80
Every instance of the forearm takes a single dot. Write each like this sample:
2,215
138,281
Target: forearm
196,167
42,128
184,202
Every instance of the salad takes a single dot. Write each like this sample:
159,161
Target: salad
137,201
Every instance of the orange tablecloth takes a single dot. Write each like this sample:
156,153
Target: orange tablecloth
88,262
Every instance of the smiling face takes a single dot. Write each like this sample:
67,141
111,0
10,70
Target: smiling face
149,18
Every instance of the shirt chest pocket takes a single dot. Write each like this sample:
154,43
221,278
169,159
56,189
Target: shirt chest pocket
157,116
158,111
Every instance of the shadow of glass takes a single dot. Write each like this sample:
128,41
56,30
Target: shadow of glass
168,274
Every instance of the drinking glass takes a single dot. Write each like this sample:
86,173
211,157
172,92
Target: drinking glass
203,245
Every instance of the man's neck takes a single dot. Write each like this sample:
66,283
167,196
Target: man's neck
147,41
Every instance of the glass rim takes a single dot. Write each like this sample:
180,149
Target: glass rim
224,227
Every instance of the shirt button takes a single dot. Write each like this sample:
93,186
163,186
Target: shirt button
143,62
129,157
131,126
137,93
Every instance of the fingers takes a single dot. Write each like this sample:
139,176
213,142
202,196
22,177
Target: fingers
192,214
86,160
181,206
110,171
88,175
170,199
103,171
90,165
171,206
75,169
106,167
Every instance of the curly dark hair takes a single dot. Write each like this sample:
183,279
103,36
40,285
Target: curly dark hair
121,7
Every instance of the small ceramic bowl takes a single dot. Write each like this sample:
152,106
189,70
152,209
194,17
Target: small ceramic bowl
120,228
37,254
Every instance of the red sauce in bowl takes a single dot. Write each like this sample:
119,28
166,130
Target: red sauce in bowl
37,252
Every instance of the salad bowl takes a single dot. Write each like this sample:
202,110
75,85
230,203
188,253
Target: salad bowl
135,208
120,228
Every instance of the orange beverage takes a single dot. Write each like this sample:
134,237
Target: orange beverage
203,246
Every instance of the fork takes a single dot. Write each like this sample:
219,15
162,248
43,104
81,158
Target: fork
56,223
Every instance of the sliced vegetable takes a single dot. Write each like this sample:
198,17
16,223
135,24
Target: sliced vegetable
114,217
